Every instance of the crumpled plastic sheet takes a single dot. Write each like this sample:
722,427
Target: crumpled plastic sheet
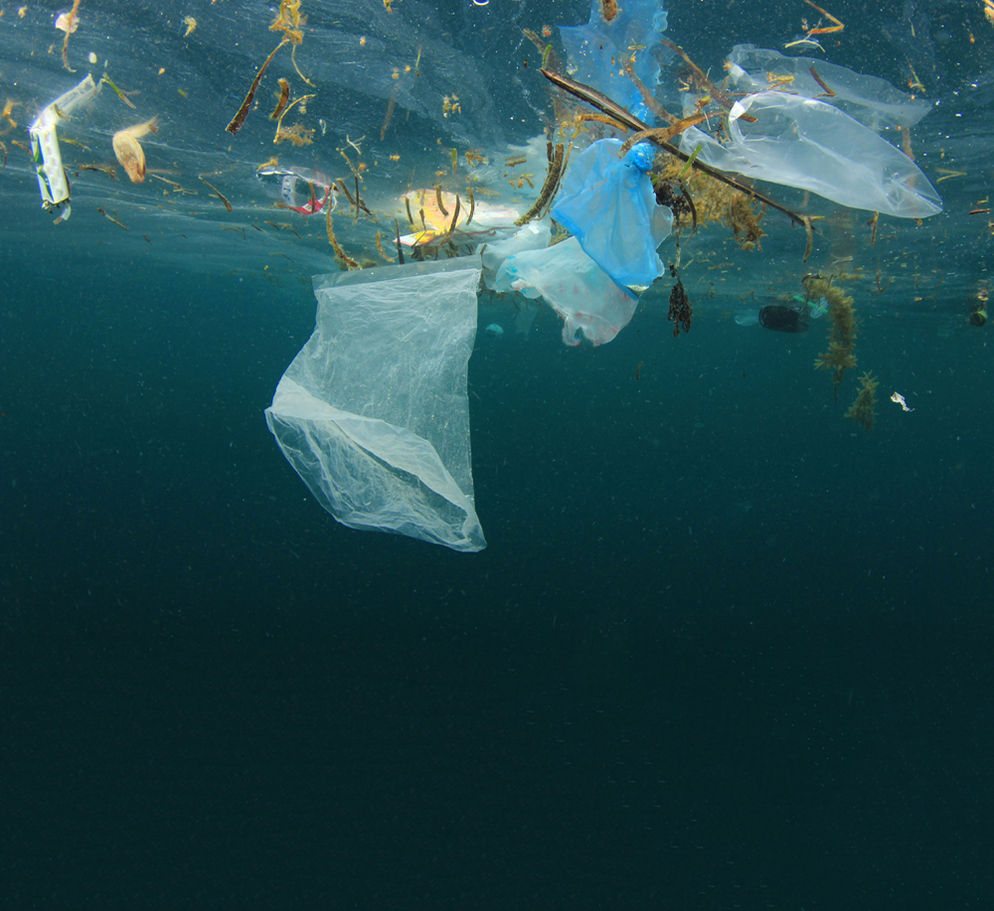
533,236
871,100
373,412
584,295
596,48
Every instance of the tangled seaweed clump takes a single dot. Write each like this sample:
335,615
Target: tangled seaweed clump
863,410
680,312
842,336
715,202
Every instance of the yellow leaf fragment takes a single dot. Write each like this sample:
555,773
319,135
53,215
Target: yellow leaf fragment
128,150
8,109
190,24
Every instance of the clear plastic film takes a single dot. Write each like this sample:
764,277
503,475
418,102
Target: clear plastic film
806,143
871,100
584,295
373,413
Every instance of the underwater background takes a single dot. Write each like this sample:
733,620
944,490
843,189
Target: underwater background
724,649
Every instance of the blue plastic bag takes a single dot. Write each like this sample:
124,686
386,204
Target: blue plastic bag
609,205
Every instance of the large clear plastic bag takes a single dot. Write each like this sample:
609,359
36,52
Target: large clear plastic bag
582,293
871,100
609,205
373,413
805,143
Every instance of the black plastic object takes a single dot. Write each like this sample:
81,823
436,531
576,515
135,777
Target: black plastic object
783,319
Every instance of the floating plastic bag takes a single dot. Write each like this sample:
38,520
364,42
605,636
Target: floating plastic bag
609,205
373,413
805,143
574,285
872,101
599,50
533,236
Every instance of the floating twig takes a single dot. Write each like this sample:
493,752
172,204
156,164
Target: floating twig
120,94
218,193
438,199
810,235
107,169
284,98
553,174
69,24
828,29
702,77
400,249
236,122
339,252
647,97
389,115
455,219
110,217
280,133
828,92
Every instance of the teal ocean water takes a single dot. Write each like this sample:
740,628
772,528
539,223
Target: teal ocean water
724,649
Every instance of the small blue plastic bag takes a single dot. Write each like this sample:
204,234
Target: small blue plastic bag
609,205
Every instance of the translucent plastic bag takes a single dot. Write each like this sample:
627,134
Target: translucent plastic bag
874,102
805,143
596,49
574,285
609,205
373,413
533,236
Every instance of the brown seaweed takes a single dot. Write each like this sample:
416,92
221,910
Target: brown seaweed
863,410
553,174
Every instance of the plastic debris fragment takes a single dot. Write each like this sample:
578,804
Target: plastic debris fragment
45,152
591,304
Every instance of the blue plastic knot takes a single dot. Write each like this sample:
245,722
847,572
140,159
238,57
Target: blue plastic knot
641,157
